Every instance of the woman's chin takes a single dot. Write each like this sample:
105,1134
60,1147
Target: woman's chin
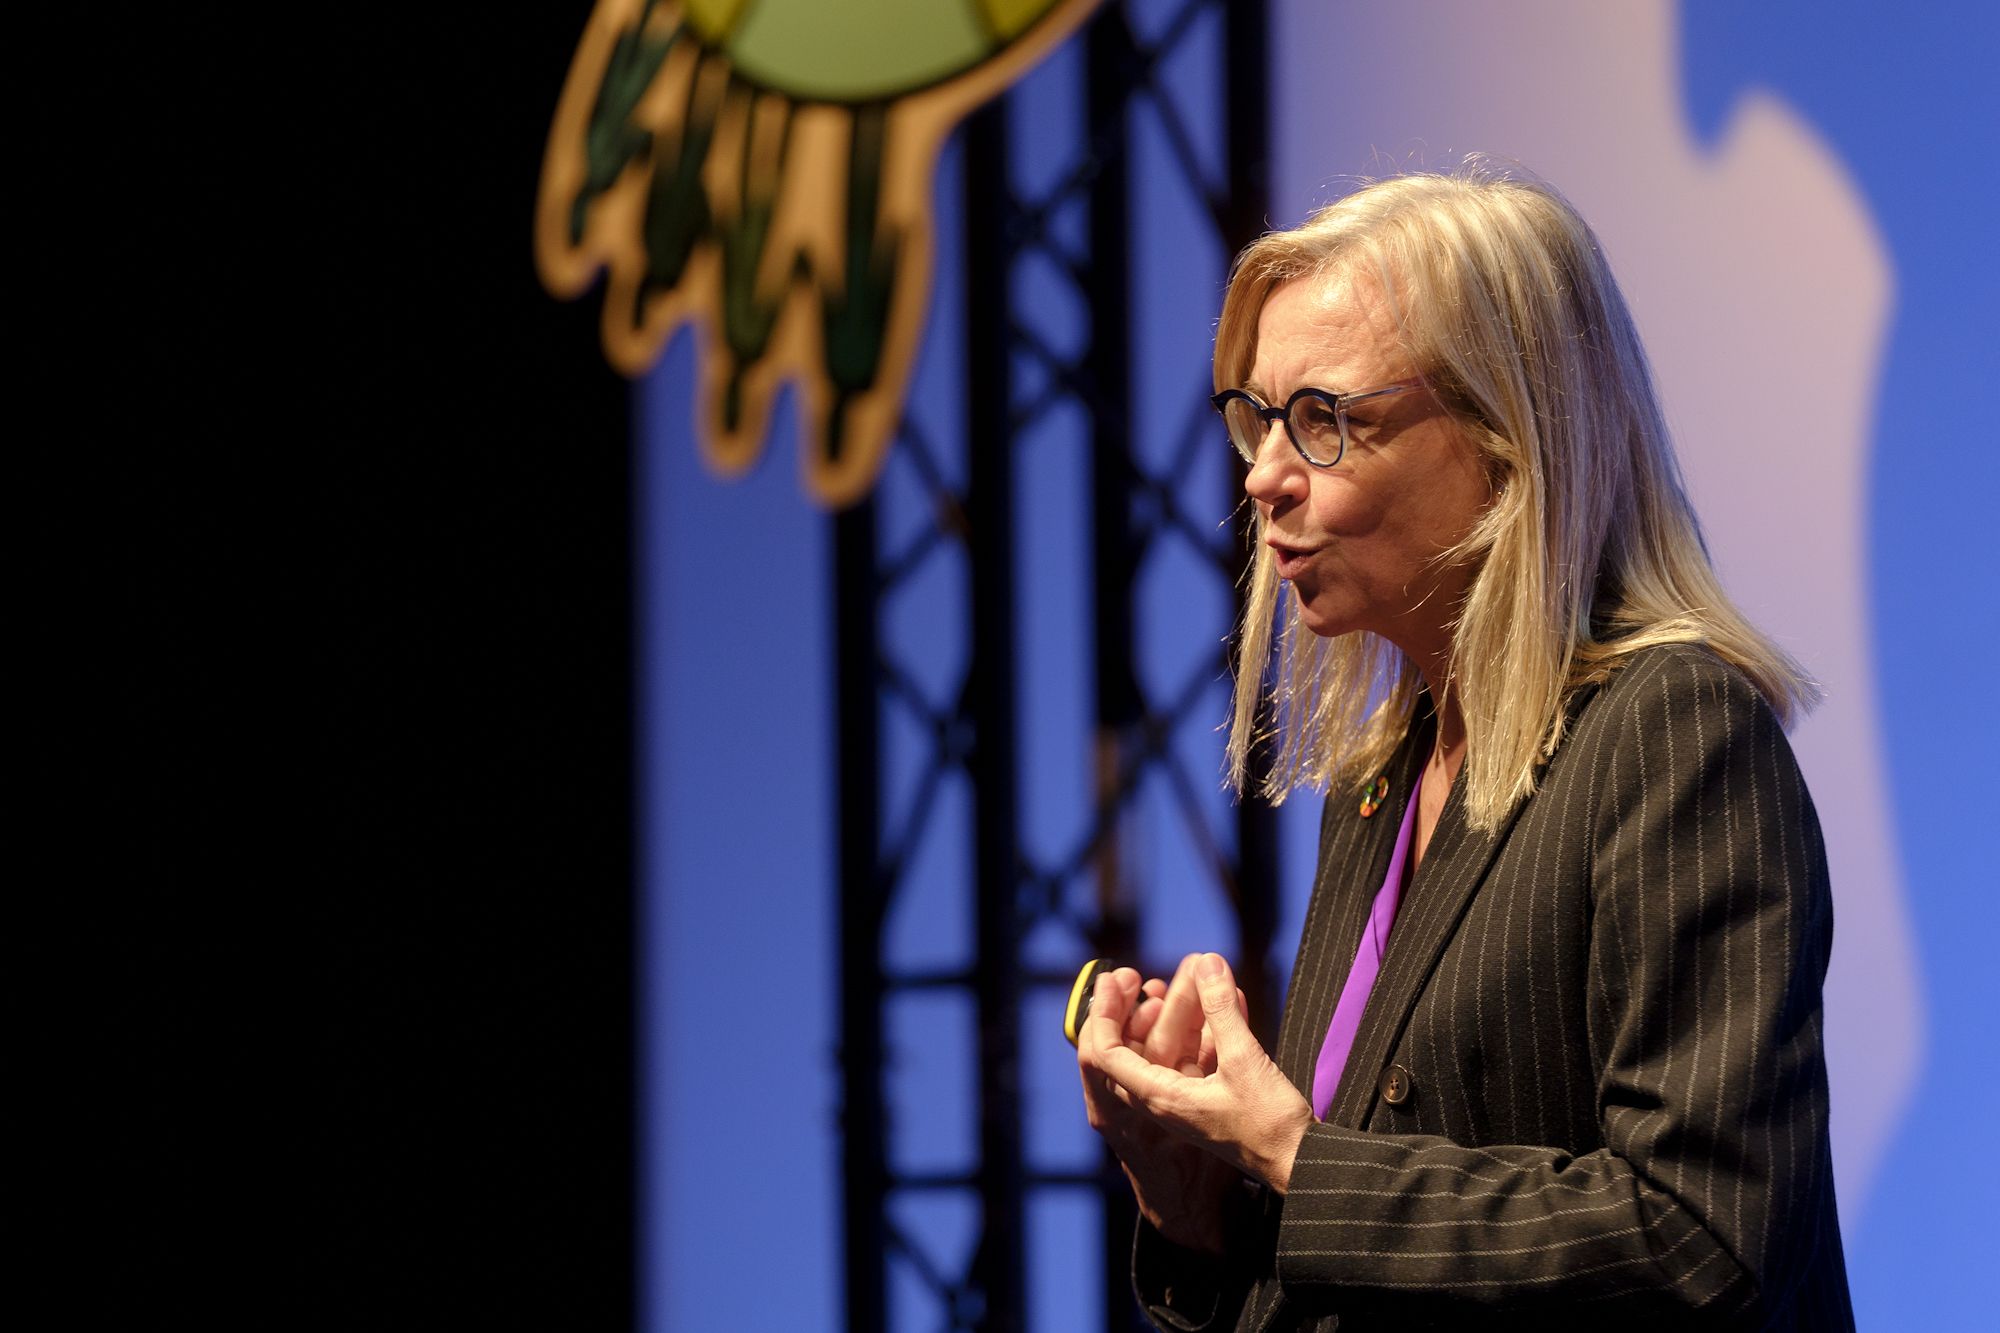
1327,622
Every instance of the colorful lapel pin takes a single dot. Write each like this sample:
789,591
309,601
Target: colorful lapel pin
1371,800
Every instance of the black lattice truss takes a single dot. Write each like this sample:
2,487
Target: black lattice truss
1138,510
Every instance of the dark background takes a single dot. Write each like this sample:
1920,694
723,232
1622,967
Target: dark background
447,766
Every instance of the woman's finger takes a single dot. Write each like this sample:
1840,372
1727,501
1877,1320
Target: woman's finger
1226,1011
1140,1025
1209,1060
1141,1083
1110,1010
1176,1033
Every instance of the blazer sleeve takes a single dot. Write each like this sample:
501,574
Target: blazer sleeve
1711,922
1185,1291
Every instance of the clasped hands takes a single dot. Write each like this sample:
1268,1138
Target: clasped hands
1185,1096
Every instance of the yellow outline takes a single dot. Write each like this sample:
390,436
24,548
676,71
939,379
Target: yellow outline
809,219
1077,992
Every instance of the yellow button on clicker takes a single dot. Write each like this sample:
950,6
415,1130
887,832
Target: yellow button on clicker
1079,998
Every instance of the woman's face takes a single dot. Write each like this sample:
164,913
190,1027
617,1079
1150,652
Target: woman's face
1359,541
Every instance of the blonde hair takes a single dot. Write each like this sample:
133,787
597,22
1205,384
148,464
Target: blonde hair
1589,551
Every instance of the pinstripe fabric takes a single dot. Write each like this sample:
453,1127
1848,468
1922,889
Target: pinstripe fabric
1611,1009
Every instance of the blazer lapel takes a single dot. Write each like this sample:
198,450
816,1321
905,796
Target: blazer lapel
1354,855
1433,905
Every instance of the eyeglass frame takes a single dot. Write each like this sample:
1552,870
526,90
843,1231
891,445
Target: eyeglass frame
1338,402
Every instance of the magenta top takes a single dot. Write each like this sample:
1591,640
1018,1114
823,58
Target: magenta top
1367,963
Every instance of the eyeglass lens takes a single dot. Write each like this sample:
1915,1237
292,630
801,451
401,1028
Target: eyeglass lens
1314,427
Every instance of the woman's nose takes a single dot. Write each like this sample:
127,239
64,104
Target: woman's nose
1271,474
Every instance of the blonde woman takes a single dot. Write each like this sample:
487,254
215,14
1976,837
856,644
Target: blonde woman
1551,1053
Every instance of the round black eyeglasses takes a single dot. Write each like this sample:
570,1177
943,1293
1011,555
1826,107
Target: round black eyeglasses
1315,420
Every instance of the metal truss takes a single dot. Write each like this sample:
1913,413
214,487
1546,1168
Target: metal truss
1137,511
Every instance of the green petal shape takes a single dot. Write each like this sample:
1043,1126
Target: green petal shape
868,50
712,19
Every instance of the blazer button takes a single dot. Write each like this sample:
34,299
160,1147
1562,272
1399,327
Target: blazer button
1398,1085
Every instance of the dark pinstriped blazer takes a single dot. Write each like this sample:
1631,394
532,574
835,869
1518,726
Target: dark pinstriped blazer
1609,1010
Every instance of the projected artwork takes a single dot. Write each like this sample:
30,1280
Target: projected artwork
762,170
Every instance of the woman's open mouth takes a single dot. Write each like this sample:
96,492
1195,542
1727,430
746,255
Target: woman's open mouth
1290,559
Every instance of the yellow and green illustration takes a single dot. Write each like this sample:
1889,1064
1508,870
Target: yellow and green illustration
762,170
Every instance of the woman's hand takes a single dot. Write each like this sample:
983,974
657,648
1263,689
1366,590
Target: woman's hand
1180,1189
1234,1103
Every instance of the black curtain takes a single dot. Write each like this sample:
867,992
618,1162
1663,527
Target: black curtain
449,477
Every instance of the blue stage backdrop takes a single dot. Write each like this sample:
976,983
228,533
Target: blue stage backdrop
1799,200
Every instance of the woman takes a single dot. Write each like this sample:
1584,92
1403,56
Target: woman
1551,1052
